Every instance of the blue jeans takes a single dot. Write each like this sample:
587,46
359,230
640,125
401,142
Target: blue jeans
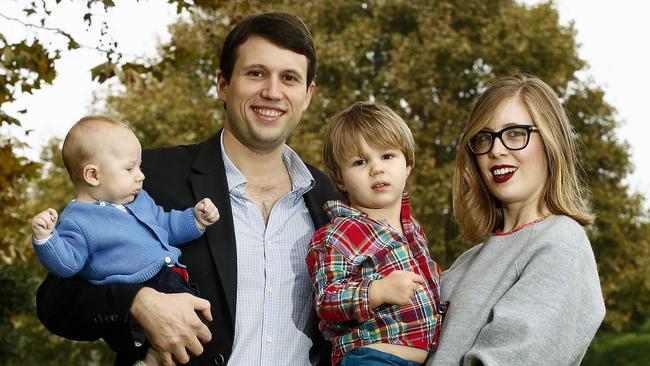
365,356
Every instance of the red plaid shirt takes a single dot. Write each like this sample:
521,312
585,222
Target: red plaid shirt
350,252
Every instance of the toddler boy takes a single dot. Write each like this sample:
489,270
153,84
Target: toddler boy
376,288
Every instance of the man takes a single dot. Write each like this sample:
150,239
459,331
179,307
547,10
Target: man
249,266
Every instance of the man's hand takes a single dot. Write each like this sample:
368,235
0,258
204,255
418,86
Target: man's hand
205,213
394,289
171,323
43,223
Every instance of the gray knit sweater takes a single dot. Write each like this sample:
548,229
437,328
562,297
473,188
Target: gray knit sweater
528,298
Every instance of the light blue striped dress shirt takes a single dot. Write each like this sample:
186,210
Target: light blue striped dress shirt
273,288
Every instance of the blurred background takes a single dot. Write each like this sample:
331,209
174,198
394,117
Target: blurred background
152,65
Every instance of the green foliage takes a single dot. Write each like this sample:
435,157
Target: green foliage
628,348
54,189
181,91
28,64
23,340
621,234
25,67
15,174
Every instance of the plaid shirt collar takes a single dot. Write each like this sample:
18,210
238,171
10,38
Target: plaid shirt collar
345,209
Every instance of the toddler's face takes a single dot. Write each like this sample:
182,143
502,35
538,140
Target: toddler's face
120,177
374,180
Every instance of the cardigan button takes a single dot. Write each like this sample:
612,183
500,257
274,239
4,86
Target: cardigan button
168,260
219,359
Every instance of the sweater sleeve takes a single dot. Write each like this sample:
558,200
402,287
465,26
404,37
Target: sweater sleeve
549,316
180,225
339,295
65,253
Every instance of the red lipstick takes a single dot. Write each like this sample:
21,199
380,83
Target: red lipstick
505,176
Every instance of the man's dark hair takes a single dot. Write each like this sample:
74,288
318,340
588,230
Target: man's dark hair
282,29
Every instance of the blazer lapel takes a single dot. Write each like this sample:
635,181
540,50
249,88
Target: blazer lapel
209,180
317,196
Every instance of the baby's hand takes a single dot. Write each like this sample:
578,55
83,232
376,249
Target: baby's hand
395,289
205,213
43,223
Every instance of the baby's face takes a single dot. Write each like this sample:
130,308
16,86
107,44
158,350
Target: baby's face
120,178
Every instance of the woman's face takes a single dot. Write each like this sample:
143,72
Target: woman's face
515,177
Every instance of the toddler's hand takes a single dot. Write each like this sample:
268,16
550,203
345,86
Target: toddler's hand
205,213
152,358
394,289
43,223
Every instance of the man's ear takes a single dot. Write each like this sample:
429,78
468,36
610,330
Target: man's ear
310,93
222,85
90,175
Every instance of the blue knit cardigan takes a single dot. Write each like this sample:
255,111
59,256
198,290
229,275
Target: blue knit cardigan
106,245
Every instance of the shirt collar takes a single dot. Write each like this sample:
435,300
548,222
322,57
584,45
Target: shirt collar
301,179
339,208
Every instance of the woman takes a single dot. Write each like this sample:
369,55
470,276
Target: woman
530,293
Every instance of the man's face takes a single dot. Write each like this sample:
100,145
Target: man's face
266,95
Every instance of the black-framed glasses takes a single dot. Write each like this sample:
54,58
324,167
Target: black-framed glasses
512,137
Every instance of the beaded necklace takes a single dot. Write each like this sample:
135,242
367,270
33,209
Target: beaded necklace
498,232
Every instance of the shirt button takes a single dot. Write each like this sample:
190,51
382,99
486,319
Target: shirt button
270,290
102,203
269,339
168,260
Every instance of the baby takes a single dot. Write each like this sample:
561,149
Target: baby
113,232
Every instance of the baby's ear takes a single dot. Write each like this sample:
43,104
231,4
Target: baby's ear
91,175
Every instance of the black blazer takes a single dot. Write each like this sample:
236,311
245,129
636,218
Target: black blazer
176,177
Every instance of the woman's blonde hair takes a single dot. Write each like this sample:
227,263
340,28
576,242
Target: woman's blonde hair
476,210
377,124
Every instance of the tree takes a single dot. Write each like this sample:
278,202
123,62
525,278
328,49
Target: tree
621,234
428,61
